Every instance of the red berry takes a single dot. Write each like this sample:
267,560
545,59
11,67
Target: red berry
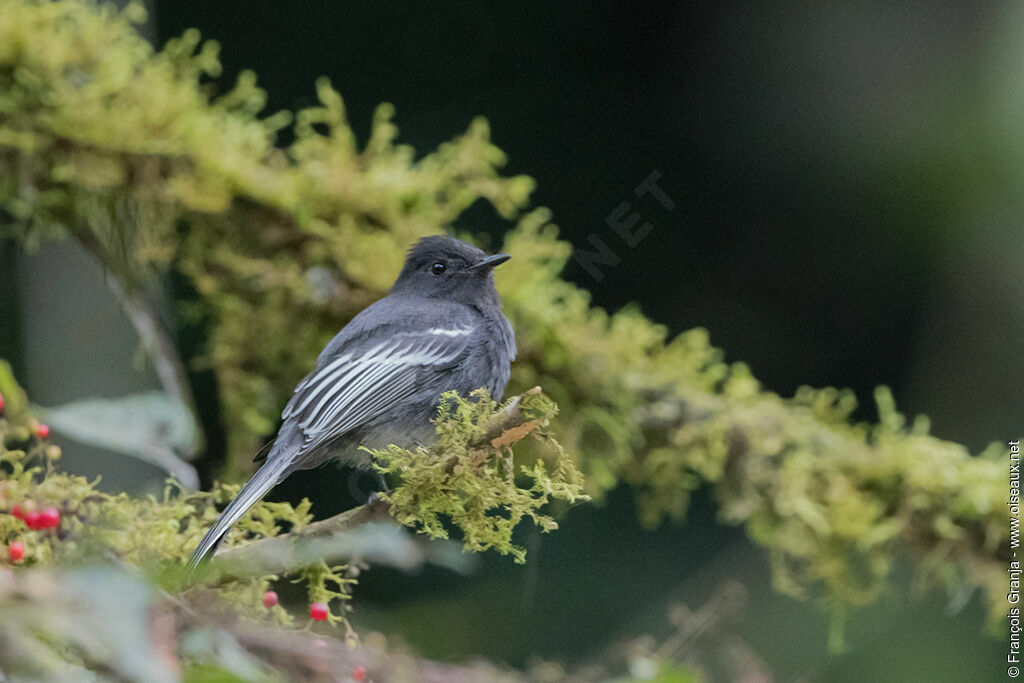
43,431
358,673
1,404
269,599
18,511
319,611
16,551
32,520
49,518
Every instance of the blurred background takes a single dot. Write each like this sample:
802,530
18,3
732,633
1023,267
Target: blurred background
844,188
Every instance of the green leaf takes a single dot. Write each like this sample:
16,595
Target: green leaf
151,427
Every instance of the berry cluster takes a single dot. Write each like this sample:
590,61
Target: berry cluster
36,518
47,518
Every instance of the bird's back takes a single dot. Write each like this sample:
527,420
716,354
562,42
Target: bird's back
475,345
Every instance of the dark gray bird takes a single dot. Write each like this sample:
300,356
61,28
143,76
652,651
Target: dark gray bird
379,380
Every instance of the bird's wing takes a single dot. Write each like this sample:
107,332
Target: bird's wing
357,378
363,379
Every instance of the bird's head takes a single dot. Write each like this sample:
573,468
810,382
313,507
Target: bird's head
443,267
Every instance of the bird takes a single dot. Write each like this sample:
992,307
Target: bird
379,380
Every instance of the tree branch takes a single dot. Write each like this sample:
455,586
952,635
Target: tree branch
329,539
359,532
153,335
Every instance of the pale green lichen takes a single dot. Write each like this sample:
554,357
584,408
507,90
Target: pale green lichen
471,481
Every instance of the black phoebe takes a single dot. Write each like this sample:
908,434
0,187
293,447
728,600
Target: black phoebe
379,380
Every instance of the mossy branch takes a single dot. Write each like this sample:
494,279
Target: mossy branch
121,629
327,539
332,539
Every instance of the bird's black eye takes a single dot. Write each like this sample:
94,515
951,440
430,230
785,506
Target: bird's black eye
438,268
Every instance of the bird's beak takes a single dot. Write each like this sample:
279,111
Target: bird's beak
490,262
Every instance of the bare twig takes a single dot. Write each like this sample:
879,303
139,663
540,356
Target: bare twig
328,539
153,335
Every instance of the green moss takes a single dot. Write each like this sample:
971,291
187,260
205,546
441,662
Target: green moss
470,479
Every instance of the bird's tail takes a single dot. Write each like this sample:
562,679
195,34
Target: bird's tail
265,479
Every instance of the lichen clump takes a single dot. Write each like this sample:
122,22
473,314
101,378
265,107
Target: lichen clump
469,478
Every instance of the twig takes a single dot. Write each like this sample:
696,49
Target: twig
510,417
291,551
153,335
